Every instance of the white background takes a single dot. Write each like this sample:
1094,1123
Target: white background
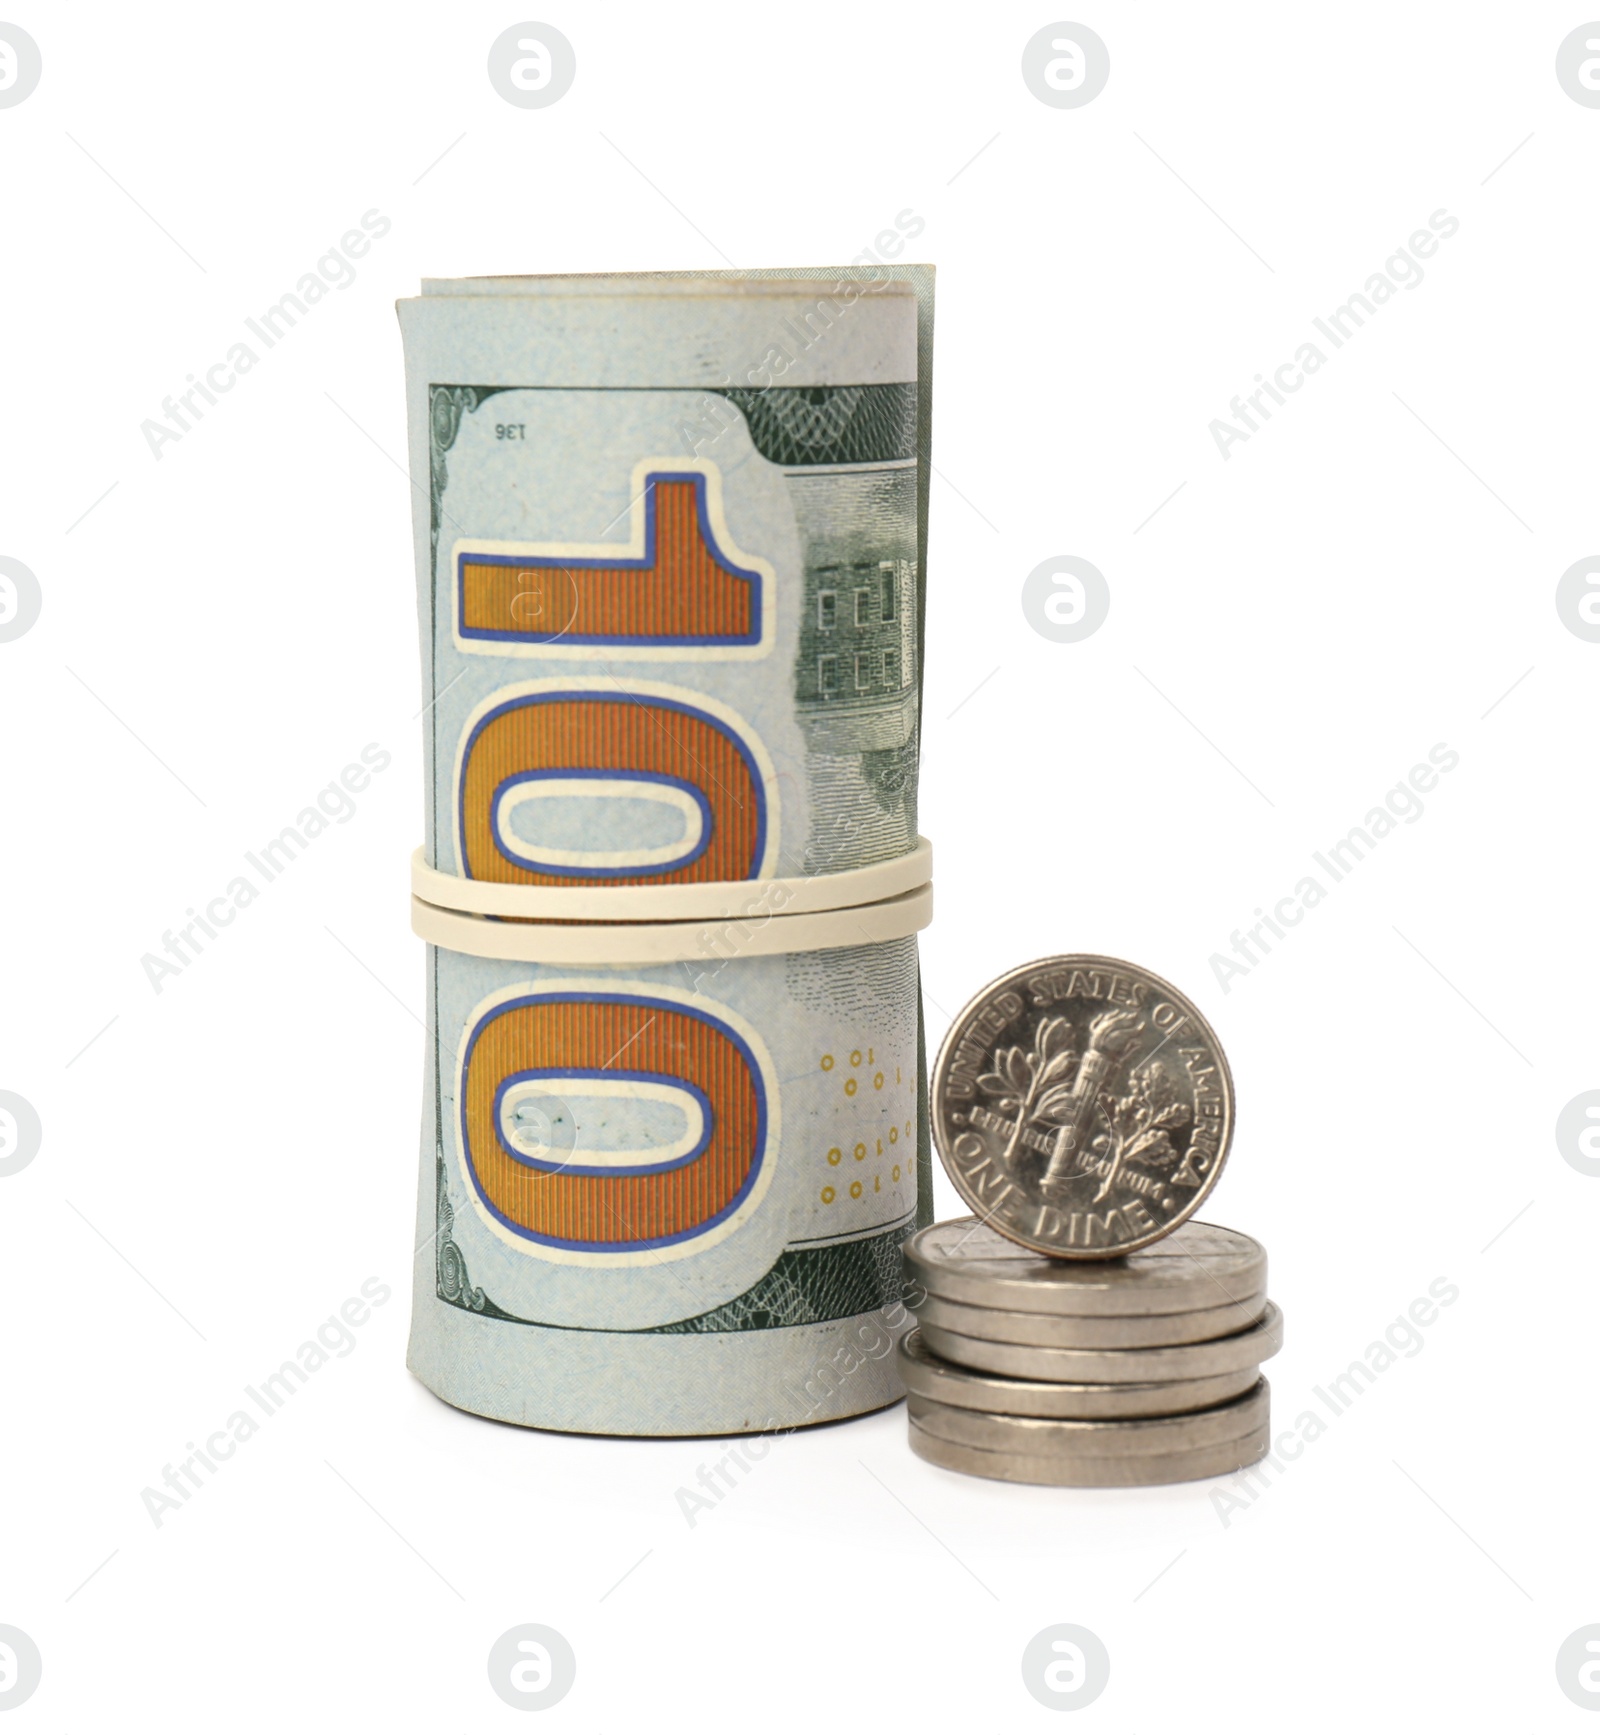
226,1161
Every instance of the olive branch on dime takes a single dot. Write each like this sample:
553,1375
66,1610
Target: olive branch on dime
1022,1076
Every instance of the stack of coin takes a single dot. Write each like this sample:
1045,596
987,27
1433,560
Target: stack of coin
1104,1374
1083,1329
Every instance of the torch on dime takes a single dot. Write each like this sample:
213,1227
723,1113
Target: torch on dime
1082,1106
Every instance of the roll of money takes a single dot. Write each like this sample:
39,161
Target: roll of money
664,1189
929,1376
670,567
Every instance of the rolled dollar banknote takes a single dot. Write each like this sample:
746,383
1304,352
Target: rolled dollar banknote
667,1168
670,569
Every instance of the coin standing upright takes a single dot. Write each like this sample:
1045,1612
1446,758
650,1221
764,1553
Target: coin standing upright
1083,1106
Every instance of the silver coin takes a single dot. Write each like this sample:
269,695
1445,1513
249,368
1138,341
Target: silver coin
1138,1437
930,1376
1063,1472
1062,1331
1082,1106
1188,1361
1199,1265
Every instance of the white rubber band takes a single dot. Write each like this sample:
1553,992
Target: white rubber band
711,941
715,899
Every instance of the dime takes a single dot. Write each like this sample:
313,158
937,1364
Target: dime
929,1376
1068,1472
1188,1361
1142,1437
1199,1265
1082,1106
1062,1331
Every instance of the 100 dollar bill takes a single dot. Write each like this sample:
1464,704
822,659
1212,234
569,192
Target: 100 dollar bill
647,1208
670,575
